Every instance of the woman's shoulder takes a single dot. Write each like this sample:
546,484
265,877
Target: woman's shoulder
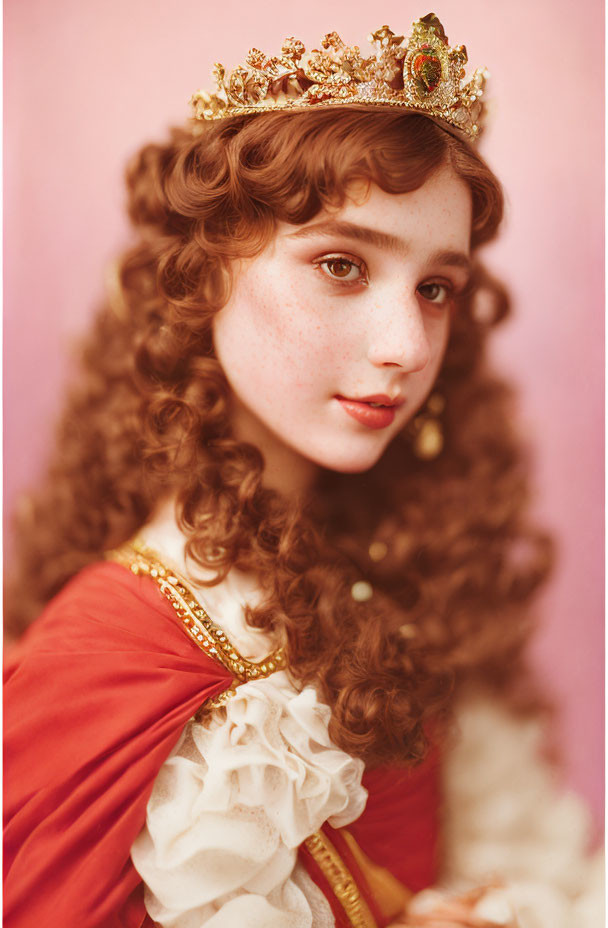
105,590
100,690
108,637
106,607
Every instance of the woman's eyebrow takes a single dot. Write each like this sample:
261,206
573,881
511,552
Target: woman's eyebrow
453,259
352,230
380,239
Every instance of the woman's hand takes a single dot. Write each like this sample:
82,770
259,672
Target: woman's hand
484,907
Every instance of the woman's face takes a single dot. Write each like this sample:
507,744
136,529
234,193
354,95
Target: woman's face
333,336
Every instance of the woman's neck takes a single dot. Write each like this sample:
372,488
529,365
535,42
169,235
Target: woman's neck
285,470
163,535
225,601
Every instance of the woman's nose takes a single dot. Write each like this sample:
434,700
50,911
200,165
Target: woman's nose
398,336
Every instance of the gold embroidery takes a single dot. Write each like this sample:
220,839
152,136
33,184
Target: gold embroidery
216,702
209,637
390,895
341,880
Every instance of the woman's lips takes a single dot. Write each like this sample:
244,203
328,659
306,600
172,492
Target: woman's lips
373,416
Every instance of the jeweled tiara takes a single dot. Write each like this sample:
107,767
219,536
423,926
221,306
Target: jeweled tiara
424,75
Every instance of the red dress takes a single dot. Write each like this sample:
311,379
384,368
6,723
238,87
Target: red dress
96,696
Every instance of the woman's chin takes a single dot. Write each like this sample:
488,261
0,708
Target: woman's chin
354,464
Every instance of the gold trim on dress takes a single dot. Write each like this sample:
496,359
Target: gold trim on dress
341,880
208,636
390,895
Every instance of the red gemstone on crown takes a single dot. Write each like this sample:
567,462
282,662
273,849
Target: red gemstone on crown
427,69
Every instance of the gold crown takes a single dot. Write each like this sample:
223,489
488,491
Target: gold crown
425,76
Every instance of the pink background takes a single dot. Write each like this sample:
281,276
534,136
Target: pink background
86,83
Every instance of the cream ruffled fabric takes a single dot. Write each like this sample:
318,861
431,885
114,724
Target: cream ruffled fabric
507,817
233,803
240,793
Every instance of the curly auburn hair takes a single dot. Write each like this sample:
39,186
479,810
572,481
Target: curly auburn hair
151,418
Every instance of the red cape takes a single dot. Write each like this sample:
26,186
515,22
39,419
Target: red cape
96,696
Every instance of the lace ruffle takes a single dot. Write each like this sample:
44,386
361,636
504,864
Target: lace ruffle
232,804
508,817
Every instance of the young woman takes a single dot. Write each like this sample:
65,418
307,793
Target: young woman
284,534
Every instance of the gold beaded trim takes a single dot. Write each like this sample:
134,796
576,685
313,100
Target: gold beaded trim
216,702
341,881
208,636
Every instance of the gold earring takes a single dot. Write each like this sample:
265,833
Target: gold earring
427,441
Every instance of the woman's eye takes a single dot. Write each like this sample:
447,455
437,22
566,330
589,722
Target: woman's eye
435,292
345,270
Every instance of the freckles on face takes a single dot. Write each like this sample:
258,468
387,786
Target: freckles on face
353,304
272,336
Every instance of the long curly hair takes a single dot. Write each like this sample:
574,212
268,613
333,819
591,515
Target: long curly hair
150,418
